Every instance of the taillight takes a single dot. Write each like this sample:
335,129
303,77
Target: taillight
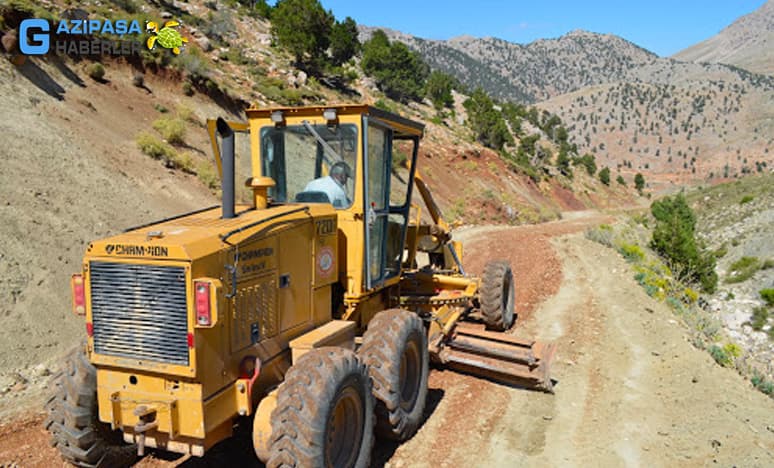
79,294
202,297
89,329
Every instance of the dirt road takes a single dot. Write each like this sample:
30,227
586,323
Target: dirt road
631,391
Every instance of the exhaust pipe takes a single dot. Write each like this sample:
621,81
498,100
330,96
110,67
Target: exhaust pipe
227,164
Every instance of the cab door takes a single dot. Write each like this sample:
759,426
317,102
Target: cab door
377,142
386,205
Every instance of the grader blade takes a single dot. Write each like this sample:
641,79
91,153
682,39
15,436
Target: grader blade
500,357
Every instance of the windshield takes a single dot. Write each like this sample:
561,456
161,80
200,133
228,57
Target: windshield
311,163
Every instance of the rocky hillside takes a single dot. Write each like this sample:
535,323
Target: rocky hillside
735,219
677,130
747,43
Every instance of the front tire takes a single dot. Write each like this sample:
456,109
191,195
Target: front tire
395,350
324,414
497,295
73,419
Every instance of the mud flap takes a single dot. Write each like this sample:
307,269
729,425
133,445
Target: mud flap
499,356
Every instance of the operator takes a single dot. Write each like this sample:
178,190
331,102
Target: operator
334,185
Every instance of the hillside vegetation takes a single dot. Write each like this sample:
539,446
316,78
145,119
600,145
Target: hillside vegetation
634,111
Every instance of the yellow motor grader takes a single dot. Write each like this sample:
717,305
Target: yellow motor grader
312,311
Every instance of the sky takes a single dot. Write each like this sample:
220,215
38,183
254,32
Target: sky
661,26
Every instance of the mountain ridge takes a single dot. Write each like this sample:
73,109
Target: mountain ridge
748,43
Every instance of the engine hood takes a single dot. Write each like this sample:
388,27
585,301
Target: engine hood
199,234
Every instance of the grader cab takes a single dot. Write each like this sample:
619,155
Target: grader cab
314,309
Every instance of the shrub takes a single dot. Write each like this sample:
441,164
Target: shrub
207,175
604,176
96,71
720,355
620,180
171,129
690,296
769,263
639,182
588,161
188,89
760,317
153,147
743,269
760,382
674,238
632,252
768,296
721,251
601,235
182,161
746,199
187,114
384,105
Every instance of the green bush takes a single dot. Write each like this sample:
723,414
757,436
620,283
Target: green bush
632,252
207,175
96,71
182,161
760,317
155,148
674,238
769,263
743,269
721,251
746,199
601,235
588,161
620,180
639,182
768,296
721,356
760,382
171,129
604,176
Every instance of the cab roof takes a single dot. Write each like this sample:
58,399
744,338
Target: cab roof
403,127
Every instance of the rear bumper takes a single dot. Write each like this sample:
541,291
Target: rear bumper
172,414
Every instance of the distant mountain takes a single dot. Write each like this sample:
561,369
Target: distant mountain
634,110
747,43
532,72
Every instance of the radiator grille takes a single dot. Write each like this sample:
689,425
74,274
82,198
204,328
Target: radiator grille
140,311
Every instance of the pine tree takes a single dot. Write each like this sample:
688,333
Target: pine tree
303,27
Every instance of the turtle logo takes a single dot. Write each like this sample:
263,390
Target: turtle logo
167,37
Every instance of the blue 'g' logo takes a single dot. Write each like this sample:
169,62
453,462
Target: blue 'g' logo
40,39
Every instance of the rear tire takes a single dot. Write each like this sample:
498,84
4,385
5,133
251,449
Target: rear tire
73,419
497,295
395,349
324,414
